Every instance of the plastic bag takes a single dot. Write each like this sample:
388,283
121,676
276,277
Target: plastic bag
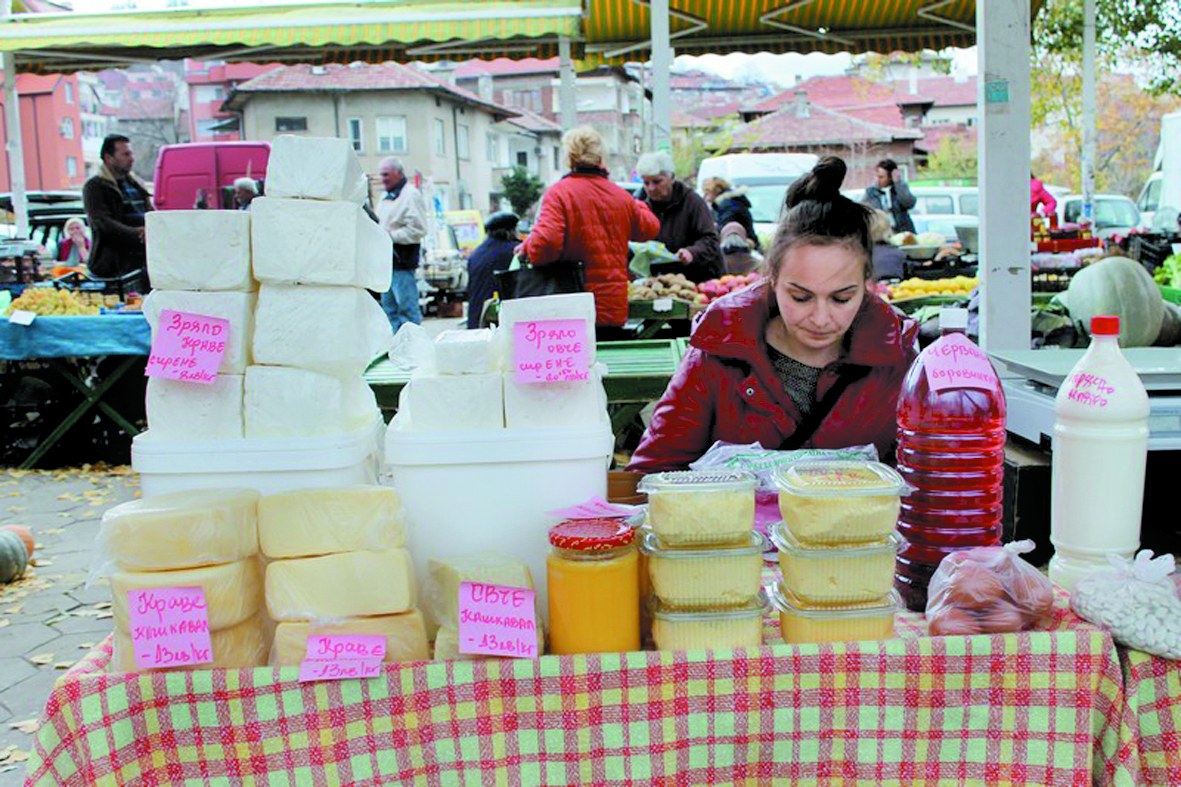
987,590
646,253
1136,600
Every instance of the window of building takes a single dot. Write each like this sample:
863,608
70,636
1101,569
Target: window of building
557,158
355,136
391,135
440,137
291,124
69,93
205,94
493,151
523,158
462,142
67,128
71,167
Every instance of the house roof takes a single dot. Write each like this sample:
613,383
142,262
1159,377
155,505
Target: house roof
505,67
34,85
822,126
356,76
531,121
853,92
933,135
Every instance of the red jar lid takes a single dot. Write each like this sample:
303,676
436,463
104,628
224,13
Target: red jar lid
592,535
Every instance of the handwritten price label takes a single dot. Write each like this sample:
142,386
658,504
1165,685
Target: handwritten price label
169,627
952,361
551,351
595,508
1090,390
188,347
342,656
495,620
345,669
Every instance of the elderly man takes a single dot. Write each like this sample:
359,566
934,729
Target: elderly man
686,222
245,190
402,213
116,202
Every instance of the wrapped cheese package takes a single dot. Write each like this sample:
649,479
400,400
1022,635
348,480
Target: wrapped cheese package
344,585
243,645
721,578
323,521
233,591
701,508
840,502
199,249
446,575
405,636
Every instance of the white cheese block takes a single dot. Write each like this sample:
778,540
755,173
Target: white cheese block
324,168
334,519
198,527
237,307
199,249
345,585
233,591
487,567
572,306
466,352
243,645
281,401
458,402
405,636
337,330
539,405
180,410
309,242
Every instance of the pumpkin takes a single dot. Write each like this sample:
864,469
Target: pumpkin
26,536
13,556
1170,327
1120,287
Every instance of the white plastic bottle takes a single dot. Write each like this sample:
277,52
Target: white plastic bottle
1099,454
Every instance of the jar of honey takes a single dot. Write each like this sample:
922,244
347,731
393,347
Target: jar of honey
594,587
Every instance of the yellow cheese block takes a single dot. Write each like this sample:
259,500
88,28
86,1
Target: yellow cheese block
705,578
346,585
243,645
199,527
233,591
405,636
326,521
447,645
721,633
852,574
839,520
487,567
800,622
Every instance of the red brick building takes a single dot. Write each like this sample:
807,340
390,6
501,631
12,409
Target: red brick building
51,130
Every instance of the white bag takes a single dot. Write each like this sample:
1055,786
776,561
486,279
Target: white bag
1136,601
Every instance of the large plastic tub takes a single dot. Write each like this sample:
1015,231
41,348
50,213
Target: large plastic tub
268,465
481,491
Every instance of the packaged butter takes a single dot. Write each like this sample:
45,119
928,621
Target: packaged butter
714,578
799,622
691,508
853,574
723,629
839,502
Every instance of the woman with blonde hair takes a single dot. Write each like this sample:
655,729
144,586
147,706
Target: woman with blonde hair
74,250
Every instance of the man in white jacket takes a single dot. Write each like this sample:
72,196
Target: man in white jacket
402,214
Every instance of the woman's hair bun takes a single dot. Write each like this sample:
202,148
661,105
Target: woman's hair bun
822,184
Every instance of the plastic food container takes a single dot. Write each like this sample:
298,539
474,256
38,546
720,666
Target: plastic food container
840,502
594,587
853,574
688,508
715,578
724,629
799,622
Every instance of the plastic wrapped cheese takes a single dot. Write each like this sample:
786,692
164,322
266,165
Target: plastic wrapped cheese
197,527
430,403
724,629
310,242
282,401
490,568
405,636
182,410
800,622
199,249
243,645
701,508
236,307
705,578
447,645
839,502
333,519
467,352
336,330
849,574
233,591
344,585
315,168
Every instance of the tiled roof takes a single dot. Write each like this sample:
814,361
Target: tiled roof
36,84
822,126
504,66
849,92
531,121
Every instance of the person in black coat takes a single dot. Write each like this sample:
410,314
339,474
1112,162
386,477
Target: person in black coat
116,202
892,195
494,254
730,205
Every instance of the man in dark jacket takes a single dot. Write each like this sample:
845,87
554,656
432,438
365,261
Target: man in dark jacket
892,195
116,202
686,221
494,254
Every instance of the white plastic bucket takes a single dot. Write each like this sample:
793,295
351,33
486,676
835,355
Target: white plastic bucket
268,465
489,490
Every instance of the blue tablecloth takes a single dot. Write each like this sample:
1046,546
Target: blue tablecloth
69,337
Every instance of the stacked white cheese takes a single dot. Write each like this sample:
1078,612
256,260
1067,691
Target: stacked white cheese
339,567
447,575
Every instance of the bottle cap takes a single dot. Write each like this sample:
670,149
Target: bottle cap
1105,326
953,318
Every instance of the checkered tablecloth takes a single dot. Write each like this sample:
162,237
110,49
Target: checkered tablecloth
1153,688
1042,707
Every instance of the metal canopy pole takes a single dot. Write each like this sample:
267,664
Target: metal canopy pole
662,63
567,87
15,148
1089,130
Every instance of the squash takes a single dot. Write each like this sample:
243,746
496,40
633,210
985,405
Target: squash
1120,287
1170,327
13,556
26,536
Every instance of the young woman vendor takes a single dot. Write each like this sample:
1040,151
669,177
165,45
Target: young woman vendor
808,358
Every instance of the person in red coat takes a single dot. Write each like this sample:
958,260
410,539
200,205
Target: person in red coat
586,217
1040,196
808,357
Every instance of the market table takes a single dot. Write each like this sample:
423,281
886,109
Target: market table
55,339
654,316
1153,688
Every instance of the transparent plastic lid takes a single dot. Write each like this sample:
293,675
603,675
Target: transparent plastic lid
755,609
650,544
698,481
840,479
787,543
786,602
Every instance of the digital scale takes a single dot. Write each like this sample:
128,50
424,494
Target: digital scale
1035,376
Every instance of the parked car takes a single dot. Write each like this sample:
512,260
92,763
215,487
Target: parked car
1115,214
945,200
756,169
182,171
948,225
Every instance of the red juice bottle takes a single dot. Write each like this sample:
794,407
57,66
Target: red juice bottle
951,449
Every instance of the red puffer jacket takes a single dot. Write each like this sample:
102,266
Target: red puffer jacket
586,217
727,389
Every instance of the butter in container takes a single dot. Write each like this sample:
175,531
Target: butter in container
852,574
839,502
707,578
691,508
800,622
725,629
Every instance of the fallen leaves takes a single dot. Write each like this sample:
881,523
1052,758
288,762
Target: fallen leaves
41,659
28,726
13,754
63,665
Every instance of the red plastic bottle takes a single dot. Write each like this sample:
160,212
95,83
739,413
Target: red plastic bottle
951,448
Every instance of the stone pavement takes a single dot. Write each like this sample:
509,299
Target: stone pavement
49,619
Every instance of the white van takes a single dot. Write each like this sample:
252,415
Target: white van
1162,191
764,178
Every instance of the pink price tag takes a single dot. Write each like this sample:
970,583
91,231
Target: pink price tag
495,620
188,347
342,656
551,351
595,508
952,361
343,669
169,627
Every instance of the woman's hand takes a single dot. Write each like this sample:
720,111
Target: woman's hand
685,256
